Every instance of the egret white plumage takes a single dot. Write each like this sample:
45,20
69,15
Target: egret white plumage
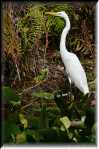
73,67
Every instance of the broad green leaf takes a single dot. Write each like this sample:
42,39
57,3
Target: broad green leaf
66,122
9,96
34,122
44,95
35,135
21,138
93,139
90,117
10,130
23,120
94,128
62,128
44,117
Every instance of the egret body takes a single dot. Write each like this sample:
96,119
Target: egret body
73,67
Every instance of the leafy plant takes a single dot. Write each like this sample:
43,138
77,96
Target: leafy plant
43,95
45,116
57,22
9,96
23,120
43,74
10,130
11,42
32,25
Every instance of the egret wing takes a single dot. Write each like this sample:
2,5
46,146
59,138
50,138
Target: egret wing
76,72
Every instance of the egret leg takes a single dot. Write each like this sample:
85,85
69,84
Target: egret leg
70,83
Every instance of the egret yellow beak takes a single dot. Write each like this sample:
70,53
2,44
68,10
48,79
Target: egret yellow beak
51,13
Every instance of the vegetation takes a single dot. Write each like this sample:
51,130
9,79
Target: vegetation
36,101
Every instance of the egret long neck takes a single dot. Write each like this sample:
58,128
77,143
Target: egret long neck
64,34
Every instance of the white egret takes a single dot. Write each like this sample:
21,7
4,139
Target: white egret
73,67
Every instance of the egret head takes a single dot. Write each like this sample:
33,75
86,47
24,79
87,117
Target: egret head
60,14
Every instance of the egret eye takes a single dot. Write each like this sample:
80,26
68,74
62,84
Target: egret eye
60,13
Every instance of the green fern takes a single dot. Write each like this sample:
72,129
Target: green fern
32,25
56,21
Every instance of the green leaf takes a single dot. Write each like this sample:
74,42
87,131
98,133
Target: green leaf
93,139
66,122
10,131
23,120
94,128
62,128
35,135
34,122
44,95
44,117
21,138
42,75
9,95
90,117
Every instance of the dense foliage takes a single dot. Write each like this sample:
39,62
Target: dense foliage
37,104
